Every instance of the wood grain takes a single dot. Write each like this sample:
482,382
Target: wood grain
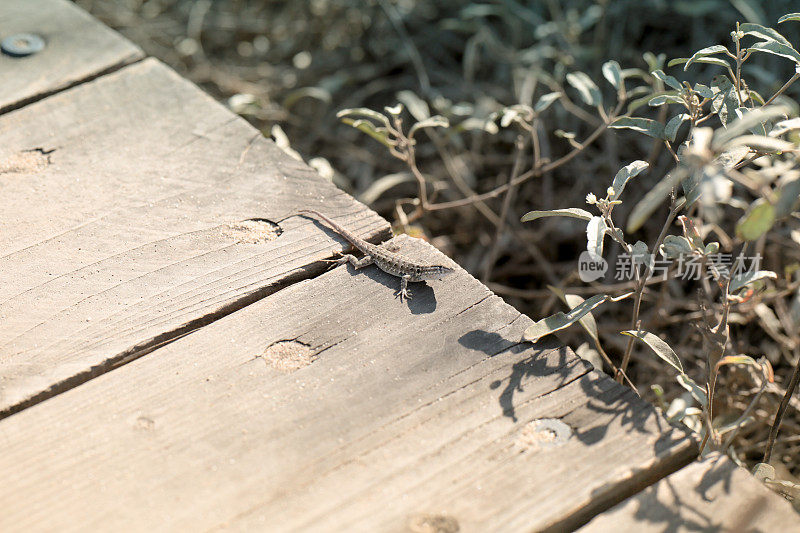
710,495
396,414
122,204
78,48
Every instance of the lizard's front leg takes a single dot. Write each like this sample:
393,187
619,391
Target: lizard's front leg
357,263
403,292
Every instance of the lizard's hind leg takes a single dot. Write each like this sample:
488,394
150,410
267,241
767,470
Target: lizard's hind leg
392,246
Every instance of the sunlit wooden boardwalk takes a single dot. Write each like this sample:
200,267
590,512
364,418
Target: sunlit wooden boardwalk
173,358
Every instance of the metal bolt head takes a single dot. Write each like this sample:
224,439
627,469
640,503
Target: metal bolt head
22,44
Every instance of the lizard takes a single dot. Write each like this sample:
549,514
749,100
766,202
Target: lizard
384,257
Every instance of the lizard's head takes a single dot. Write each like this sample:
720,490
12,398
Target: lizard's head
438,271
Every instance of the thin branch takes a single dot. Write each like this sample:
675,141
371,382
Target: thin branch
674,209
776,425
492,256
532,173
785,86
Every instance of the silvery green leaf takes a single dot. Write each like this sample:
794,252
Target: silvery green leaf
724,102
596,231
732,157
667,98
588,90
677,409
747,119
627,172
677,61
475,123
785,126
669,80
711,248
560,320
643,125
659,346
791,16
705,52
789,193
416,106
654,62
749,277
640,255
515,113
691,188
613,73
776,48
675,246
573,212
545,101
379,134
703,90
708,60
436,121
573,300
394,110
758,220
763,33
633,73
756,96
363,112
697,392
674,124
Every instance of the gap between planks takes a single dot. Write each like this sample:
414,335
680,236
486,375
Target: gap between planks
19,104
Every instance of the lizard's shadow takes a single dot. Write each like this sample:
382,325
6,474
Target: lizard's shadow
423,298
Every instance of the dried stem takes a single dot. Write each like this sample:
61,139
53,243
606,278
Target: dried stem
785,86
640,286
492,256
532,173
776,425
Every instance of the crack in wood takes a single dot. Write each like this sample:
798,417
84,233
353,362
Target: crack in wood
159,341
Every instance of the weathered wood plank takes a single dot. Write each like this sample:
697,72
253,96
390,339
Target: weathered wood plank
77,48
122,200
407,412
710,495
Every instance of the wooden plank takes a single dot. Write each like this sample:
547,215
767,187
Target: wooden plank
123,203
709,495
77,48
395,415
